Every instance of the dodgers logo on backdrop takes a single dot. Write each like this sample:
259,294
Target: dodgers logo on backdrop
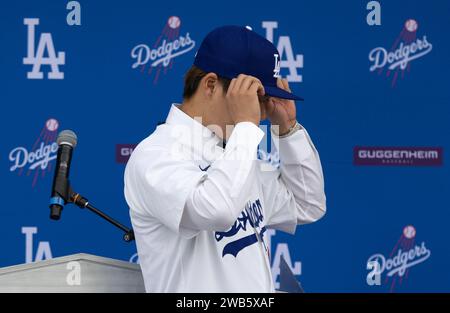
292,62
397,59
406,254
37,160
37,57
169,45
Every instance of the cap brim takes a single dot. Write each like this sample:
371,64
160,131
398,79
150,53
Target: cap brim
280,93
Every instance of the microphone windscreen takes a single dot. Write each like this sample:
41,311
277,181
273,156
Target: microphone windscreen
67,137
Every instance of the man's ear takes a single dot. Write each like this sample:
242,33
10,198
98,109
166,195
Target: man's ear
209,84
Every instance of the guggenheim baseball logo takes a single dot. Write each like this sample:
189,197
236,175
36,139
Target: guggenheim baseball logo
398,156
37,160
123,152
159,57
396,266
396,60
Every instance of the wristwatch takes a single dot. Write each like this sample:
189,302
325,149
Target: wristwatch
291,130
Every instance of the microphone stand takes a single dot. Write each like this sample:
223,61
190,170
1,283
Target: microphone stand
69,196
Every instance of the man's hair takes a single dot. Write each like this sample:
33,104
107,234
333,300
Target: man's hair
192,80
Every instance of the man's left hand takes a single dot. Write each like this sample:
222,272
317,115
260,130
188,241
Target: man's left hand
282,112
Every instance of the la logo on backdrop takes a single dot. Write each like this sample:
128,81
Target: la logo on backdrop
288,59
36,57
407,253
160,56
396,61
36,162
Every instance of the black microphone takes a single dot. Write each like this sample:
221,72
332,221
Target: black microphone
67,140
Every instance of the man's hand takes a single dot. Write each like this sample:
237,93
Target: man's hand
242,99
282,112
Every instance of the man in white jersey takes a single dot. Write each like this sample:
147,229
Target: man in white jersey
199,207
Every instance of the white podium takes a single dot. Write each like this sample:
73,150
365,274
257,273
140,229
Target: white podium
73,273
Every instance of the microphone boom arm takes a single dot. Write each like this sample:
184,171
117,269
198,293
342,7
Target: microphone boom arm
65,191
83,203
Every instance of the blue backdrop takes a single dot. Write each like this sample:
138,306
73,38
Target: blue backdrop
98,80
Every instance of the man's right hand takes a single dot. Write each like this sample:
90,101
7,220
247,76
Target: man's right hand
242,99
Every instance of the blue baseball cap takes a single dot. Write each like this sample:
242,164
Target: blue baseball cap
232,50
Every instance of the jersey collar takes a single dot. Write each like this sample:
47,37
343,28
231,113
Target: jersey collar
191,133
